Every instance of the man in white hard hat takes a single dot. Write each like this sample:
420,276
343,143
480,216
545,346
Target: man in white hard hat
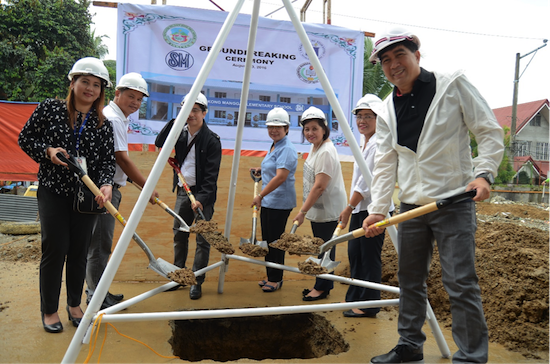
423,141
129,94
199,154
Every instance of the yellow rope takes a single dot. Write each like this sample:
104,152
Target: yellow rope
95,328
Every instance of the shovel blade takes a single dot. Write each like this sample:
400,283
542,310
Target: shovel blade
327,263
162,267
244,241
262,244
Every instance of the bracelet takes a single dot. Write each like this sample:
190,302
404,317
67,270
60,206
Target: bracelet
260,195
303,212
352,207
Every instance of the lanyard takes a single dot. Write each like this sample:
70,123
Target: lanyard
77,136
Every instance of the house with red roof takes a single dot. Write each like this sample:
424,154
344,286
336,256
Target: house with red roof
531,152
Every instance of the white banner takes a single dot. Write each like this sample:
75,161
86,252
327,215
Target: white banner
167,45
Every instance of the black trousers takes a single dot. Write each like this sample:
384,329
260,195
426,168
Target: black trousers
273,226
324,230
66,235
365,263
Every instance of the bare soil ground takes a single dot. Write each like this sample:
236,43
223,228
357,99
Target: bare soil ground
512,258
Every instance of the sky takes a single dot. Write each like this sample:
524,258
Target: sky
481,37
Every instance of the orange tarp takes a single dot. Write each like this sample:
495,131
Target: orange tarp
15,165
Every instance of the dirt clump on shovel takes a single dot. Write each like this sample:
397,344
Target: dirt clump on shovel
310,267
219,242
183,276
203,226
295,244
253,250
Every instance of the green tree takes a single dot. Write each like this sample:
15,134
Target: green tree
374,81
111,67
39,42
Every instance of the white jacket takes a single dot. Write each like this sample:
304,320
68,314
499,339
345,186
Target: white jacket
442,165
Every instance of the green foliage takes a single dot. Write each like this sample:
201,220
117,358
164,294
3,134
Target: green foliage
505,169
111,67
374,80
39,42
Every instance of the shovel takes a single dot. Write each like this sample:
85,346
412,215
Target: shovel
183,225
174,163
159,265
419,211
325,261
252,240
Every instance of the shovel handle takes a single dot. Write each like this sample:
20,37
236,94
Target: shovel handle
174,163
294,227
419,211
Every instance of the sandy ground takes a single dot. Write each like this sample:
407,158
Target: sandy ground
524,303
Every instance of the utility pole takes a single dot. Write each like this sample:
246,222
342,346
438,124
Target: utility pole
515,100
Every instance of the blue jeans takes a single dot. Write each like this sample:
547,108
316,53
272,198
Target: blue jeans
454,230
100,246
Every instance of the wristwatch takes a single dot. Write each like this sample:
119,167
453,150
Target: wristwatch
487,176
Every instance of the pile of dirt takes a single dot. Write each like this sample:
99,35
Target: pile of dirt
253,250
298,245
183,276
512,265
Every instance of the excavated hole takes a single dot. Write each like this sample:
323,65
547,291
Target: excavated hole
294,336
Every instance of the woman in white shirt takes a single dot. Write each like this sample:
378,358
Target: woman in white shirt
364,254
324,194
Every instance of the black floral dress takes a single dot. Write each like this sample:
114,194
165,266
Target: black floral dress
47,127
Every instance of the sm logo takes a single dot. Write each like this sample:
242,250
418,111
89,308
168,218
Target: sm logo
179,60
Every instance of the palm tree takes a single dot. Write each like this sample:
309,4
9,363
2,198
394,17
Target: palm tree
99,47
374,81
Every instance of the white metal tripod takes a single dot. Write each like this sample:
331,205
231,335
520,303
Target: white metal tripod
83,331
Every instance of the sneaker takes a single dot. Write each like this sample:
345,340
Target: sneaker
401,354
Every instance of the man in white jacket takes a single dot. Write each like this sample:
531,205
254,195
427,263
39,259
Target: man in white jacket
423,141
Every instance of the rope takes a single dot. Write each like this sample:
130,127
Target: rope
95,329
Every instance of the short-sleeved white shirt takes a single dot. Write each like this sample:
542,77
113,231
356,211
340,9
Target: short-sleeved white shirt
120,130
333,200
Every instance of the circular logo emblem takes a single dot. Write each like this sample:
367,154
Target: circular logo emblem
179,60
179,35
306,73
318,47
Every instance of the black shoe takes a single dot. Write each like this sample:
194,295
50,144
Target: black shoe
74,320
320,297
400,354
116,297
351,313
107,302
195,292
53,328
305,292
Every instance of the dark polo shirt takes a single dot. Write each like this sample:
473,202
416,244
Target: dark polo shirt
411,109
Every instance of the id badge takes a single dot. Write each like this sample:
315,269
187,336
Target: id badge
82,162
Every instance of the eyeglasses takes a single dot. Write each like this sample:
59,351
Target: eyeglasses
195,110
365,117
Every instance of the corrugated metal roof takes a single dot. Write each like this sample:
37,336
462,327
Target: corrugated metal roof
18,208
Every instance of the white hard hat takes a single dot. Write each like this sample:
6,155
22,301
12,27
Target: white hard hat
201,100
277,117
369,101
392,36
133,81
90,66
313,113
